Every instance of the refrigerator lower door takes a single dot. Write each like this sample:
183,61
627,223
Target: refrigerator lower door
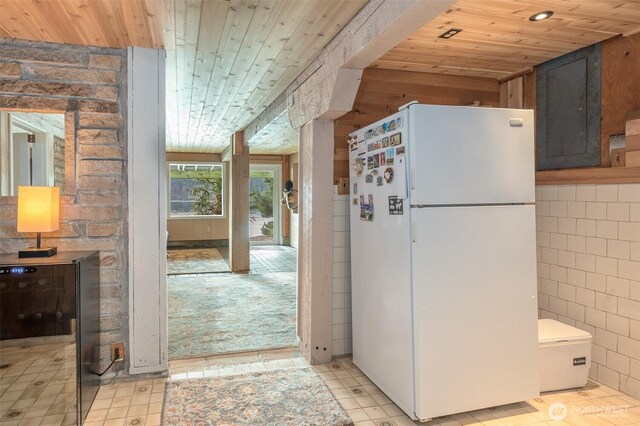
475,307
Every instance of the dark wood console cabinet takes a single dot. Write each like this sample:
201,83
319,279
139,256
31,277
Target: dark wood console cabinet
48,305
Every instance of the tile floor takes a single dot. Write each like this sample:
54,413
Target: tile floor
140,402
38,382
268,258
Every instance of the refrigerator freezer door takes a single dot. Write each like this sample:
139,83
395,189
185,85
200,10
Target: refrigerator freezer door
475,307
467,155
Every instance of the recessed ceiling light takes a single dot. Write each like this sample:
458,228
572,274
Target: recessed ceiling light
541,16
450,33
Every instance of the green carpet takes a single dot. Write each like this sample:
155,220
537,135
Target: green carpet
220,313
289,397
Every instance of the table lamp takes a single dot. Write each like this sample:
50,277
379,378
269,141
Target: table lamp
38,211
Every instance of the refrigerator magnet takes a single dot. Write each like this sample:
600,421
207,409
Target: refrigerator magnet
385,142
368,178
390,152
377,145
379,181
355,201
370,162
396,206
355,187
366,209
383,159
376,161
388,174
400,150
395,139
370,147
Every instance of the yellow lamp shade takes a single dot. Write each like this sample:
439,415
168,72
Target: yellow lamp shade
38,208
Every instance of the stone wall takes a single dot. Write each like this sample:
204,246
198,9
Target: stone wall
89,84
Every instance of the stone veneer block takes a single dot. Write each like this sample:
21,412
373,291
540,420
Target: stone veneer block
83,75
9,69
105,61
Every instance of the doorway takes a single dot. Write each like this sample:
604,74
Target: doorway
264,204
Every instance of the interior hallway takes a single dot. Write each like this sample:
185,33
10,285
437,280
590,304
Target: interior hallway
216,313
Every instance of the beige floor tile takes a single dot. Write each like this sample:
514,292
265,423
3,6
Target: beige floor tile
153,420
357,415
138,410
141,399
349,403
375,412
117,413
123,401
365,401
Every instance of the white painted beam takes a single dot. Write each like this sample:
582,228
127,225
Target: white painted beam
147,194
378,27
315,253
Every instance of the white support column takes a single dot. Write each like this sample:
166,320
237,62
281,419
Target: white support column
146,165
315,252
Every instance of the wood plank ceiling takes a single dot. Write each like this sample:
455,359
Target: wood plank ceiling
227,60
498,40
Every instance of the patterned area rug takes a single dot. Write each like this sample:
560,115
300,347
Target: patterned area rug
212,314
195,261
290,397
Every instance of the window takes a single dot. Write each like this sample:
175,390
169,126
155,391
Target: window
196,189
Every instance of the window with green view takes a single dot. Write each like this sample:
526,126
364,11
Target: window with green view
196,189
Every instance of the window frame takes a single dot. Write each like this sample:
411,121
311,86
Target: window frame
222,216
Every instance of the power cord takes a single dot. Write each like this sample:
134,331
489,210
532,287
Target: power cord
116,357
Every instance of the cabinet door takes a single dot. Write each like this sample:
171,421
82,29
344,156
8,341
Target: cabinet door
42,303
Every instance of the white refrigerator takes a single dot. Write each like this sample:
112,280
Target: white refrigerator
443,253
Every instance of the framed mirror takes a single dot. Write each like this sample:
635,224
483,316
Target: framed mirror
36,148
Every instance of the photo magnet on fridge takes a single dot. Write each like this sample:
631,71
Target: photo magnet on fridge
388,174
377,145
396,206
370,162
379,181
383,160
396,139
370,147
355,201
400,150
366,210
368,179
385,141
390,156
376,161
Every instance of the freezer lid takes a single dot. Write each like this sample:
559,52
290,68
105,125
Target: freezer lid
554,331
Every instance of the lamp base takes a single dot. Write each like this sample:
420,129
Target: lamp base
38,252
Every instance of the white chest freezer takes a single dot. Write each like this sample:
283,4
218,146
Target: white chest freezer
565,355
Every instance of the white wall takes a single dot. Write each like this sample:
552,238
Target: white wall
589,272
293,221
341,340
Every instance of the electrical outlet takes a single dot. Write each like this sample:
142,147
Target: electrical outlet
117,351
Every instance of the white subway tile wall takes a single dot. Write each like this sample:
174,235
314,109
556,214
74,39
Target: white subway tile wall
588,239
341,275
